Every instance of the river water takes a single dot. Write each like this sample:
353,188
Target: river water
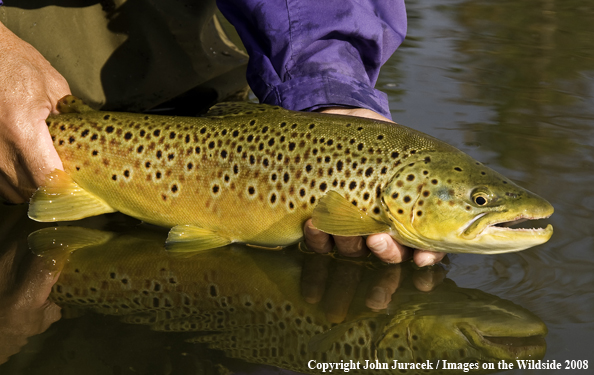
508,82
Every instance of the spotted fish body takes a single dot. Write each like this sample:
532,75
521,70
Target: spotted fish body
250,305
255,173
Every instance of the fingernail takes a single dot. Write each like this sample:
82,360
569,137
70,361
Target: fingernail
378,246
427,261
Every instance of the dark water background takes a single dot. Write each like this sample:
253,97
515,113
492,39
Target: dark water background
510,83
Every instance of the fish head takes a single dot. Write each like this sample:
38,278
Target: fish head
450,202
460,325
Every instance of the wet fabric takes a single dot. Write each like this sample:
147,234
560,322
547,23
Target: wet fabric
318,53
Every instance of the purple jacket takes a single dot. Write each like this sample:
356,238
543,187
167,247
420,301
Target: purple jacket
318,53
310,54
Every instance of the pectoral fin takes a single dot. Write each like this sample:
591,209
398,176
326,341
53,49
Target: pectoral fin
60,241
61,199
186,238
335,215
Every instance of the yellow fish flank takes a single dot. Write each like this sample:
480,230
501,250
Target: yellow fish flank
255,173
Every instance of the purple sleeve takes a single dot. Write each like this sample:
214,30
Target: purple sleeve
310,54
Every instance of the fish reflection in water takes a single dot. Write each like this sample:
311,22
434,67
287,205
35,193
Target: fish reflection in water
250,304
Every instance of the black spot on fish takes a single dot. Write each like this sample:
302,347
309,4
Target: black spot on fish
106,117
239,148
286,177
174,188
128,136
376,210
235,133
127,173
211,145
157,132
434,182
279,157
311,126
323,186
71,140
203,130
84,133
224,154
147,164
394,195
407,199
395,155
380,137
251,190
235,169
425,173
312,200
158,175
271,142
109,129
95,152
172,135
187,138
250,138
365,196
291,205
252,159
291,146
159,154
273,198
215,189
368,172
458,169
253,122
171,157
360,146
410,177
265,162
190,166
339,165
139,149
94,137
114,177
352,185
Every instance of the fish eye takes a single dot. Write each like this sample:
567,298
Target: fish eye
480,199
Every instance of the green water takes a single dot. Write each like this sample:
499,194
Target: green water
508,82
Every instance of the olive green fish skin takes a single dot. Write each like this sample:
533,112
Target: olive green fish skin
255,176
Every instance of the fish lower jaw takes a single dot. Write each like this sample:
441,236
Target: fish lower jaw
530,345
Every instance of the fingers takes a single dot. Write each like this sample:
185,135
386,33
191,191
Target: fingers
380,295
425,258
316,240
388,250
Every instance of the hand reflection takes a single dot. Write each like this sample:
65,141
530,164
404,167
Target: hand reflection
334,283
25,284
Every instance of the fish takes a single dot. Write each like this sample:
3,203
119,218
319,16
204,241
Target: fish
254,173
249,304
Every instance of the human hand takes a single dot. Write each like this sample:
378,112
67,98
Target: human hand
381,244
334,283
29,91
25,284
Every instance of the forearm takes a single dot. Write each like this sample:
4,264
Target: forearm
318,54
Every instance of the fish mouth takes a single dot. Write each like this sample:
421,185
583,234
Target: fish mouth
497,231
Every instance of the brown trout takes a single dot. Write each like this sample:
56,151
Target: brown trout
254,174
249,304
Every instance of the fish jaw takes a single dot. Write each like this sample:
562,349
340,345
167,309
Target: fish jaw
485,230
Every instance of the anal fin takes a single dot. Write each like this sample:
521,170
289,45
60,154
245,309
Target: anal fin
335,215
61,199
189,238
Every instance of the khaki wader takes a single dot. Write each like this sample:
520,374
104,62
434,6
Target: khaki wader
134,54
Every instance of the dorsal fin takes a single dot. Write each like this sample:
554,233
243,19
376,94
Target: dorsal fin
72,104
227,109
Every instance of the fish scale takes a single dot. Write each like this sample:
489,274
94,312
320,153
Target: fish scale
280,165
255,173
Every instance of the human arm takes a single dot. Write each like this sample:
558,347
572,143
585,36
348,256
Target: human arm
29,89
